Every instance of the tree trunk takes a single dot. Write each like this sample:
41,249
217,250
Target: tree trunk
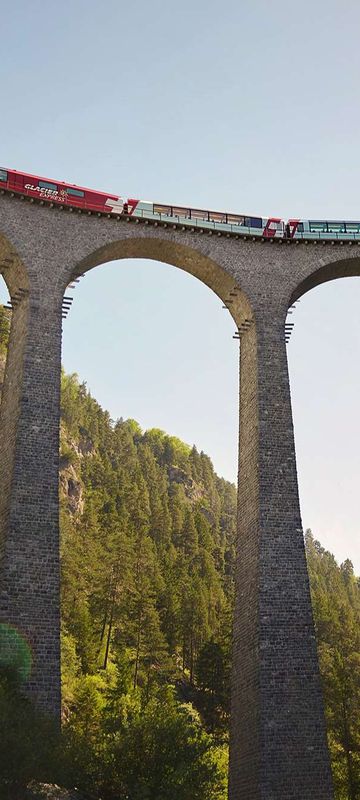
103,627
137,651
109,632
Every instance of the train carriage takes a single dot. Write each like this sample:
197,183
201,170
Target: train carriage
59,192
327,229
66,194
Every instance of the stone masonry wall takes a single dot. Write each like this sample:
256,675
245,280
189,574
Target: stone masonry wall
278,745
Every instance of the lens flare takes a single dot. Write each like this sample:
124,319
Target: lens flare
15,652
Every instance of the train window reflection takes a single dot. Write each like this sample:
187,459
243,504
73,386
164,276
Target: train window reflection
216,216
336,227
3,175
318,226
178,211
253,222
196,213
352,227
235,219
159,209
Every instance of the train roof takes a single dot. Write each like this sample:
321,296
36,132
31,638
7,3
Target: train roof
61,183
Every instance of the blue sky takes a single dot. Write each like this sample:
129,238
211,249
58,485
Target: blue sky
238,106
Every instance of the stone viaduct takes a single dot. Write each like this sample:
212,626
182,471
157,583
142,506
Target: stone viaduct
278,744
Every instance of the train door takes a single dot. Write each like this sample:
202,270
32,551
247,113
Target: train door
292,227
274,228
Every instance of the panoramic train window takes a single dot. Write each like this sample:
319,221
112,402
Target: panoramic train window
318,227
75,192
3,175
178,211
46,185
196,213
235,219
217,216
253,222
336,227
352,227
162,210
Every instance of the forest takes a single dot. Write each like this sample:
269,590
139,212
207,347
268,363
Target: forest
147,553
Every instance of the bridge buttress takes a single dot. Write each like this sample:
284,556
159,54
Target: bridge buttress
278,747
29,519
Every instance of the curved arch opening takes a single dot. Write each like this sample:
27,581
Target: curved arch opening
5,323
325,389
178,255
344,268
13,284
155,345
170,333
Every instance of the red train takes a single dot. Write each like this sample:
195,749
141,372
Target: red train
102,202
64,193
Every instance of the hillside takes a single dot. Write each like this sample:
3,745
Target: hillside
335,593
148,533
154,514
147,548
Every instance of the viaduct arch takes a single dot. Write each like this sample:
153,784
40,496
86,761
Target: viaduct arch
278,744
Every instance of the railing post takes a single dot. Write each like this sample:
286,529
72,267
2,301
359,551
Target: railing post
278,747
29,521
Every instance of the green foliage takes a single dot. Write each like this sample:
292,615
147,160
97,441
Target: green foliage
156,751
213,680
70,670
177,760
144,569
336,605
68,455
112,745
148,591
30,745
147,600
145,584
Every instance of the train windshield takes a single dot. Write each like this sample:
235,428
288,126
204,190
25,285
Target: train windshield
3,175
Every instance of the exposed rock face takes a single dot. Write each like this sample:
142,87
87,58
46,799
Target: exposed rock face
85,446
192,489
72,489
72,453
208,514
